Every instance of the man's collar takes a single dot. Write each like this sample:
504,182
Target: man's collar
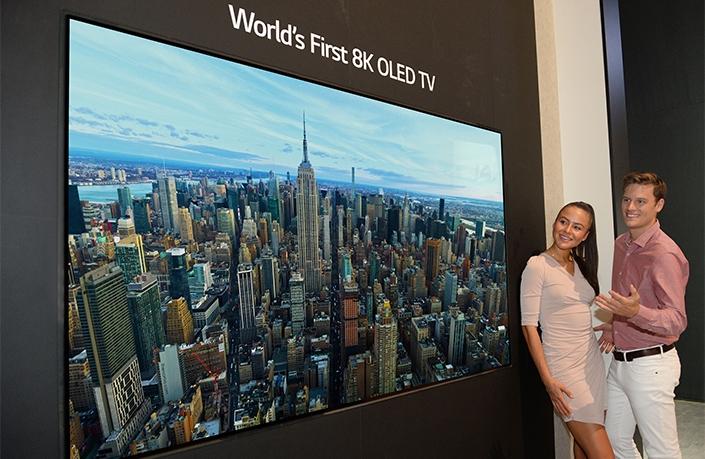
645,237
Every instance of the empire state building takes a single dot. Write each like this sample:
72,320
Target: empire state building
307,223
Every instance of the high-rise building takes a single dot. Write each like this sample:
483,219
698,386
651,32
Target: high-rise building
129,254
298,311
442,209
125,226
350,309
326,237
493,299
456,340
498,246
433,258
270,273
178,275
340,213
276,237
274,202
450,290
80,386
168,203
385,349
357,378
171,379
146,314
76,222
246,292
115,373
204,359
141,211
226,222
480,227
394,221
295,353
179,322
200,279
125,199
263,231
185,225
307,222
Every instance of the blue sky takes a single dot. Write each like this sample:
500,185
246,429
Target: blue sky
139,97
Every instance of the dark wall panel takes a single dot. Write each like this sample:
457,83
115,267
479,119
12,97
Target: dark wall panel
483,54
664,80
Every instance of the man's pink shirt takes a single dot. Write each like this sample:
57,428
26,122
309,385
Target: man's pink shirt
657,268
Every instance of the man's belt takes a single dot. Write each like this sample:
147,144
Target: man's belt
628,356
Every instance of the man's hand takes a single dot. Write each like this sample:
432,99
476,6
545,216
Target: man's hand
625,306
606,341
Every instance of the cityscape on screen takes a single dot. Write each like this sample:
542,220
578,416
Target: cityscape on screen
246,247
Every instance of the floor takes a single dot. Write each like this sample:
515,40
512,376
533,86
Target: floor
691,429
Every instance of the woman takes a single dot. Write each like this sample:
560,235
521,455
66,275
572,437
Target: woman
557,288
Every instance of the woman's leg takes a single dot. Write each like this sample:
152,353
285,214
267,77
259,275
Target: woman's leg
591,439
578,452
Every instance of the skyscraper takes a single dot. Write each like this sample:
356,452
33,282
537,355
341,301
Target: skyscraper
298,312
498,246
270,273
480,227
307,222
76,223
146,314
350,308
274,201
226,222
326,237
125,226
171,380
450,290
141,214
178,275
168,203
185,225
406,216
200,279
433,258
125,199
179,322
456,339
115,372
246,292
129,254
385,348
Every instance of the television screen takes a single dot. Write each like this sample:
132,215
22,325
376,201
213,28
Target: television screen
247,247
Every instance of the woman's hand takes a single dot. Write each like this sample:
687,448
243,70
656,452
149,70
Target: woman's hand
557,391
606,341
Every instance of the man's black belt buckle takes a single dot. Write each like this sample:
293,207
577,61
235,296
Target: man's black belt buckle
628,356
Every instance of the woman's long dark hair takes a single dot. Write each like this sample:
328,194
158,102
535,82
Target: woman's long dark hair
585,254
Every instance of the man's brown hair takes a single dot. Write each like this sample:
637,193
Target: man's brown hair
646,178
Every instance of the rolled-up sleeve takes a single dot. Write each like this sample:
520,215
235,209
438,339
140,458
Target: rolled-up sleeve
667,317
530,291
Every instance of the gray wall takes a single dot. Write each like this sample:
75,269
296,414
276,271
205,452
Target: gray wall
483,54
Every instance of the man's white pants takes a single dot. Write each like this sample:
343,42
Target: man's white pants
640,393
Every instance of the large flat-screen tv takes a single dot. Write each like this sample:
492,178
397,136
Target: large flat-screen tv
247,247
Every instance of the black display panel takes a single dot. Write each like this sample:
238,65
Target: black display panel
289,248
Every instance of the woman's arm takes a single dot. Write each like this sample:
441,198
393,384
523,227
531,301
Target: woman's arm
554,387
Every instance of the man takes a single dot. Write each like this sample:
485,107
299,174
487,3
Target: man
647,302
